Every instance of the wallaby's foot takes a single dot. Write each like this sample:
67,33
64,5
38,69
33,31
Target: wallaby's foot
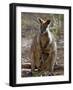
51,74
39,69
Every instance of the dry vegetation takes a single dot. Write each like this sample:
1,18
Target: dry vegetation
30,27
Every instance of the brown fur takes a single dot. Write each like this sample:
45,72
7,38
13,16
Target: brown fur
43,53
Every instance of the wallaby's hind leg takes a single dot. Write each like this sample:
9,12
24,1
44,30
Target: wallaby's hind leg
53,62
35,62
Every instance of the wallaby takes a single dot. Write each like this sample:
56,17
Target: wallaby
44,49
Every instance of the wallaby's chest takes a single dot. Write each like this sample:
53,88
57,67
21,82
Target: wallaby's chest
44,40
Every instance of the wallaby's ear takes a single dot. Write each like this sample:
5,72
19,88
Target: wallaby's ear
41,20
47,22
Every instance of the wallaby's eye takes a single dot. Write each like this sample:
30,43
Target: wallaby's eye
42,28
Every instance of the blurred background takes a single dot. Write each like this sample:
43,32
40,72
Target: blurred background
30,26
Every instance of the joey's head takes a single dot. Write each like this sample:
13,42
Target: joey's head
43,25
